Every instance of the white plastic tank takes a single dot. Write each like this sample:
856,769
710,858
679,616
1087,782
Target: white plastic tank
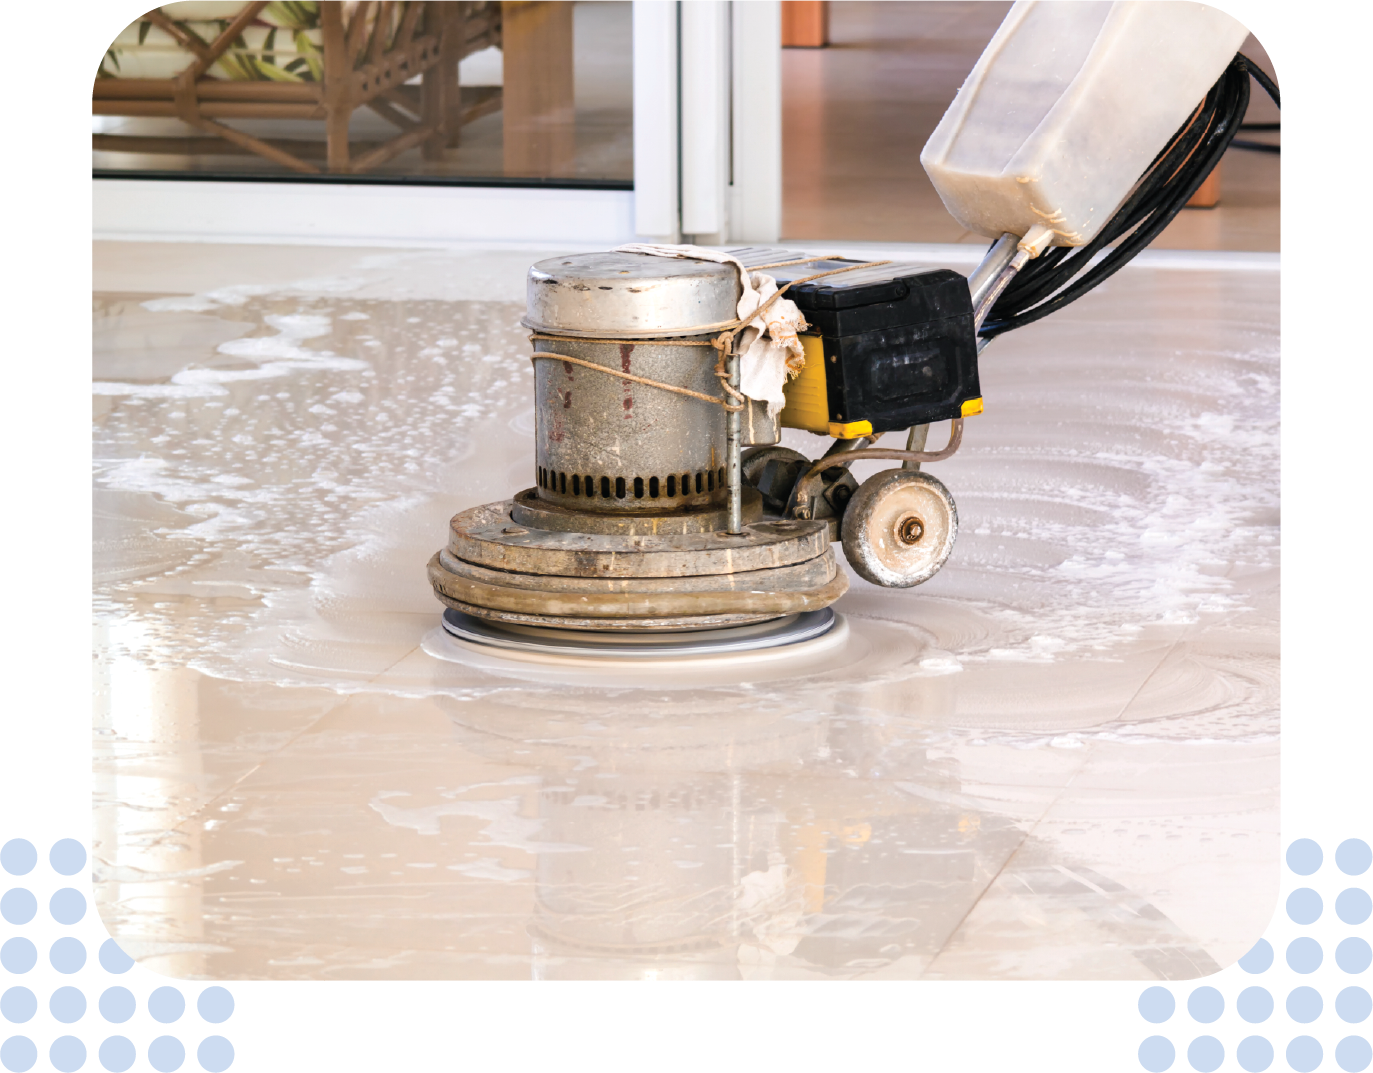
1067,106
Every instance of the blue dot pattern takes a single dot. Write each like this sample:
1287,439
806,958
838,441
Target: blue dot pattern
1259,959
1156,1005
67,955
67,1054
1205,1004
1353,954
1352,857
1254,1004
166,1054
67,857
17,856
1353,906
215,1005
1353,1054
69,907
215,1054
117,1004
67,1005
18,1004
1304,1054
117,1054
1304,906
1205,1053
1304,1004
1156,1054
166,1004
113,959
1353,1004
18,906
18,1053
18,955
1304,857
1254,1054
1304,955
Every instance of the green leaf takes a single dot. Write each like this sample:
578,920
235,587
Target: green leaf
311,54
237,67
294,14
270,72
185,27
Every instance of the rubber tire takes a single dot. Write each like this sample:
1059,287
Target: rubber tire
884,501
753,460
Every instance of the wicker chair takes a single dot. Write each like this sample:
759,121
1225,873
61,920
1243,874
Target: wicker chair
334,59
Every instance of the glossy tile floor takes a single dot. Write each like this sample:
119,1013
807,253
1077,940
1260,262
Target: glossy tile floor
855,116
1057,759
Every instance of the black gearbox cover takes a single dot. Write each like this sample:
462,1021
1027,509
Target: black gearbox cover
899,343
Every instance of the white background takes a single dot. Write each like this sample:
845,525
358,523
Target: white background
1318,50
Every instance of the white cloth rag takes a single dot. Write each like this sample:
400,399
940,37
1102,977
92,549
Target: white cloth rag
769,352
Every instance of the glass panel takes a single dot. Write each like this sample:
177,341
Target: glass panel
535,91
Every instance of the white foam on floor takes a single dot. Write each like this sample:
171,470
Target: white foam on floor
1070,554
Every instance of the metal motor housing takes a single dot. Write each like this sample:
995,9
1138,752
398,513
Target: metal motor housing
603,443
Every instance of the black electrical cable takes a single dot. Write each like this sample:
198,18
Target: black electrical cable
1261,77
1269,87
1063,274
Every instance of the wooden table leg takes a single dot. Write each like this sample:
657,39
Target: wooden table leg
440,104
1208,193
338,72
805,23
539,117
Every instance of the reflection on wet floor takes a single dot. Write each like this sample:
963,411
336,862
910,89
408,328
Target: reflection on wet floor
1056,759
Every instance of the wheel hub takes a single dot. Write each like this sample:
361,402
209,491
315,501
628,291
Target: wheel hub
909,530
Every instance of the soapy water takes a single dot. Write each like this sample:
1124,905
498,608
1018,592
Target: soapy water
386,425
264,512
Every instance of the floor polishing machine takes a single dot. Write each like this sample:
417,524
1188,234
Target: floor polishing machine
666,519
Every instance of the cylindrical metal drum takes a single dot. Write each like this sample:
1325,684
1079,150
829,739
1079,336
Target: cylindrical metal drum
604,443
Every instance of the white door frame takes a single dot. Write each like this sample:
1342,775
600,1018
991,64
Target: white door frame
708,120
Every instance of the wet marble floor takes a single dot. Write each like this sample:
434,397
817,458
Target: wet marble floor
1057,759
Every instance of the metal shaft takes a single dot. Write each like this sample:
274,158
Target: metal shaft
997,287
733,470
997,258
916,442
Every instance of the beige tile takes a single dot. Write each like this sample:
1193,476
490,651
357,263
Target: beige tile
299,776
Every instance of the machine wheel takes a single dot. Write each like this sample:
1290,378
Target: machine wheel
899,528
